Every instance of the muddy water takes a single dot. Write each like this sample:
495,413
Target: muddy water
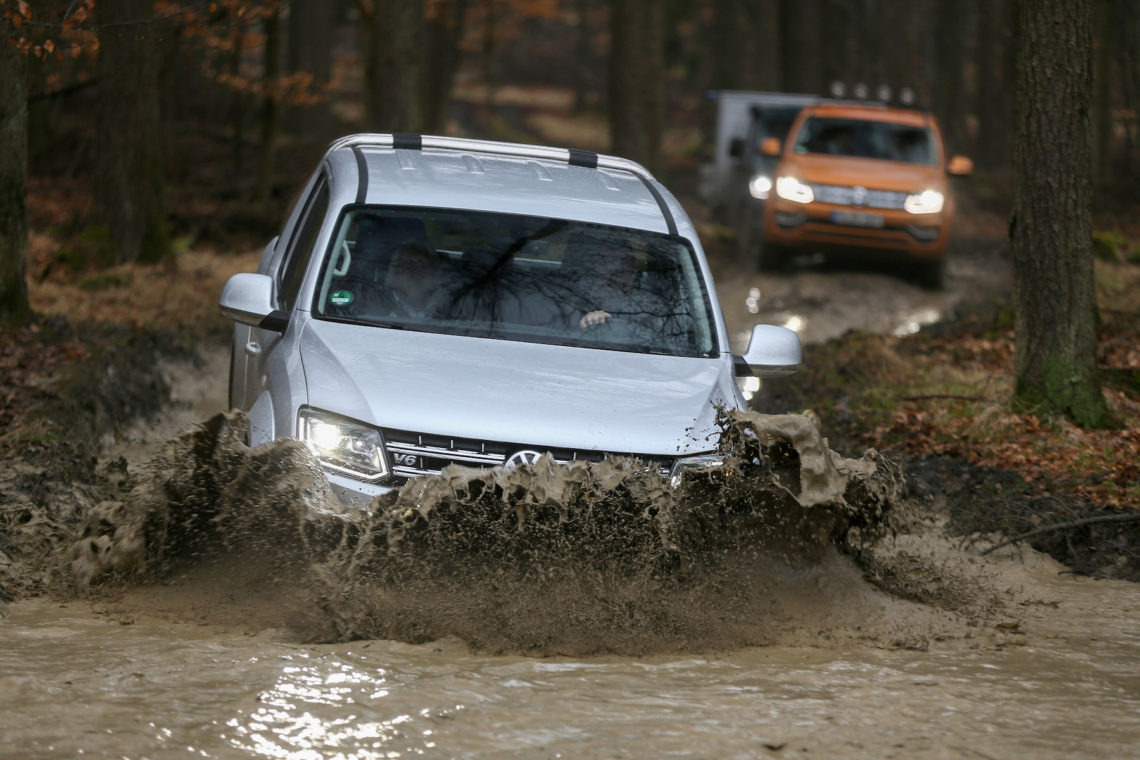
79,679
820,301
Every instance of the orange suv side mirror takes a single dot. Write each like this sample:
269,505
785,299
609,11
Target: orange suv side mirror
960,166
770,146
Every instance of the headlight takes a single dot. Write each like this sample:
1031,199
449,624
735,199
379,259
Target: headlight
749,386
926,202
759,187
692,465
343,445
791,189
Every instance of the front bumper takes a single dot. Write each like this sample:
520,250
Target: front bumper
822,226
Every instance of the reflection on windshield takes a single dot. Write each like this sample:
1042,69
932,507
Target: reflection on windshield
867,139
516,278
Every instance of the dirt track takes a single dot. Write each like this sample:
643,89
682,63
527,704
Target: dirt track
822,300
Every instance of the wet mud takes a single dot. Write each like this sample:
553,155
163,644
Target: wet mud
788,540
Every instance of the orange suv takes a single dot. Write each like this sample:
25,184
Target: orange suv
862,178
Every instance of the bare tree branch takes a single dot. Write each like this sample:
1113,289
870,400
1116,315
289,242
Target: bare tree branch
1131,517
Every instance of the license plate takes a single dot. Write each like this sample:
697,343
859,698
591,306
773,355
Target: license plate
856,219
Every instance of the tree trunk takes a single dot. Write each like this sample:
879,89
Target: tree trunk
1126,33
1102,102
949,89
745,35
393,61
130,162
1051,229
991,149
637,80
14,309
444,31
836,32
309,50
1126,30
801,61
583,51
269,126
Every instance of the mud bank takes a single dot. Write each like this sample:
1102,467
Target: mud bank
58,411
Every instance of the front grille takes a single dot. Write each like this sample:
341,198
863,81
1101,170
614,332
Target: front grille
412,454
849,196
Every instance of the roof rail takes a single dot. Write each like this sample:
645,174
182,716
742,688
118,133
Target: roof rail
570,156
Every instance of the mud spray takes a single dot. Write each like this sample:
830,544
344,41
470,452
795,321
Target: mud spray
787,539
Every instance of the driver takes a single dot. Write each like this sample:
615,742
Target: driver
617,273
415,283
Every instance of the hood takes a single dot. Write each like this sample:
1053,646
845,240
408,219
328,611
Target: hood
514,392
872,173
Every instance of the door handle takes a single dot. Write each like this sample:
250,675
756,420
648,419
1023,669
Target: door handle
253,348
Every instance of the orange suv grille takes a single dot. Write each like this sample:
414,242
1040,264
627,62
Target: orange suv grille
858,196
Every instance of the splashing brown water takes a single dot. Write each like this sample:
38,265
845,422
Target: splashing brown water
578,558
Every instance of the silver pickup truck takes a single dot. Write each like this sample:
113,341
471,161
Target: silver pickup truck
434,301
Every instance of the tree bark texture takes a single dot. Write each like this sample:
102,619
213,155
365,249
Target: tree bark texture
130,175
1051,228
393,66
637,80
14,309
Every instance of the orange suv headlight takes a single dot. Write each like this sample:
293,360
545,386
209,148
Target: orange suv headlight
926,202
791,189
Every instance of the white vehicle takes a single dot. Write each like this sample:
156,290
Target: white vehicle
434,301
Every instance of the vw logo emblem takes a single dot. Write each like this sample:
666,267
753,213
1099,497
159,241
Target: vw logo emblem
859,196
526,456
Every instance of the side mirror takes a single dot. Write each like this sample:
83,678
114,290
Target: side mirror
960,166
247,298
771,146
772,352
735,147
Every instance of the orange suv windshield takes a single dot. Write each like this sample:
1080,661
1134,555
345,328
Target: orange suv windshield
861,138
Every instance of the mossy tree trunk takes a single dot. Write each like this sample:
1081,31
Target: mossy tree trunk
1051,229
14,308
130,171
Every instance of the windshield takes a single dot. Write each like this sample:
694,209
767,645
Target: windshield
516,277
867,139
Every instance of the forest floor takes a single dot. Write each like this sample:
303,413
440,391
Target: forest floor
936,400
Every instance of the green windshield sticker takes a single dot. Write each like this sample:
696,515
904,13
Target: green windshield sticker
340,298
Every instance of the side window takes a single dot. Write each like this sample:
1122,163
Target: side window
301,251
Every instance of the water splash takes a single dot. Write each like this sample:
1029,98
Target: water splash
576,558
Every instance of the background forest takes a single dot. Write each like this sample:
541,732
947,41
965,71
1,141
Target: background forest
165,106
